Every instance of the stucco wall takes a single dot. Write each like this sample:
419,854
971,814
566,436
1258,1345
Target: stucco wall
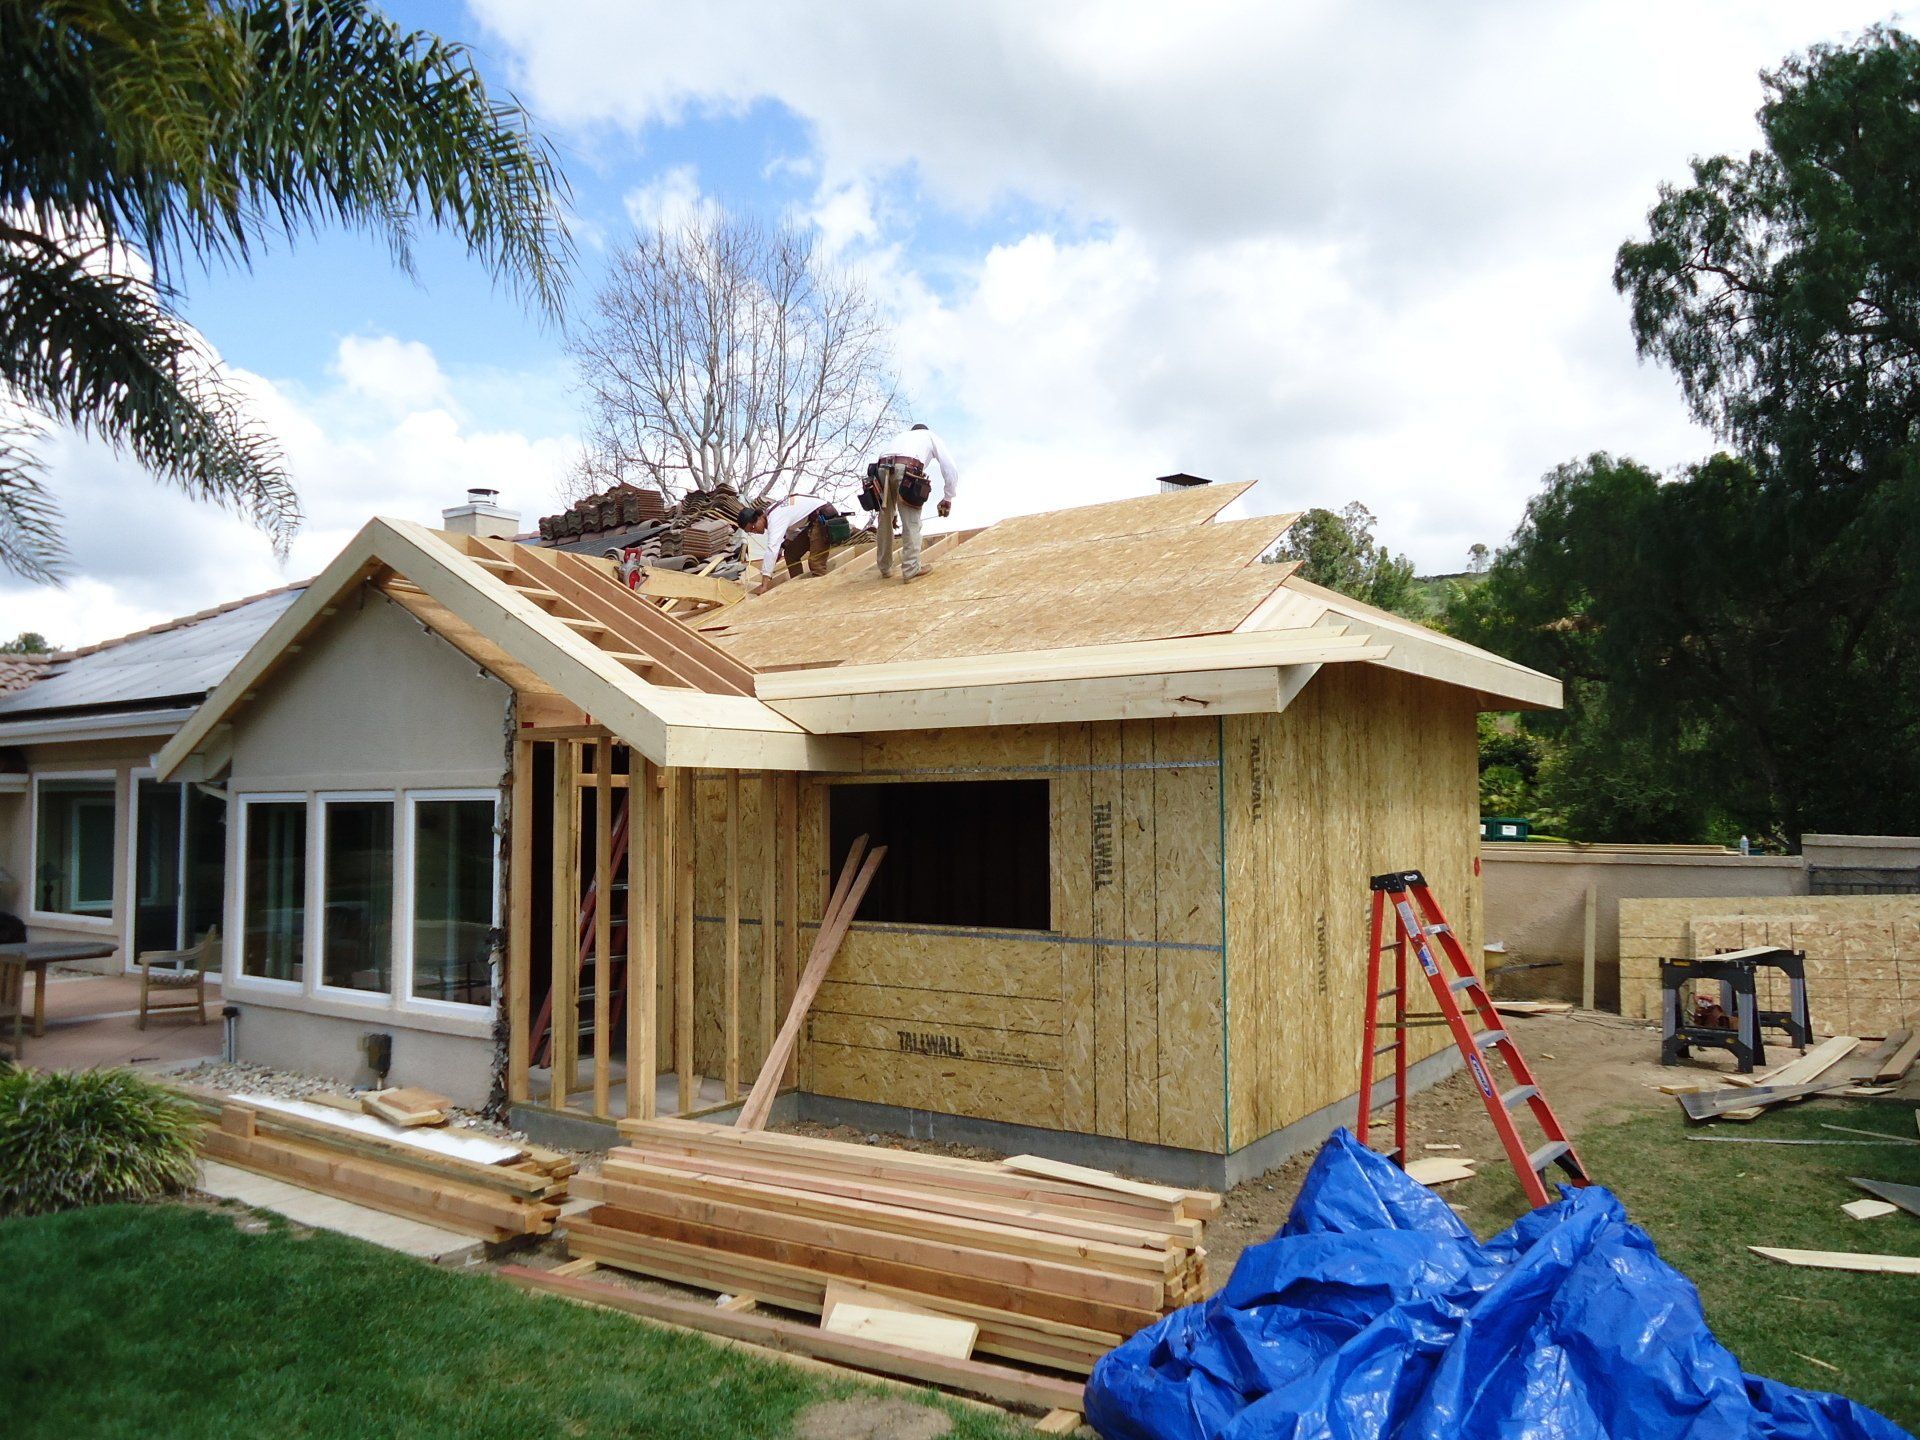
374,702
1536,901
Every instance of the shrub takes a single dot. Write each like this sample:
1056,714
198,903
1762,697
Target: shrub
89,1137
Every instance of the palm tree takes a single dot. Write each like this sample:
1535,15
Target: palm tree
138,134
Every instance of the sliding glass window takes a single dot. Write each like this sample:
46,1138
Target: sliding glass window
179,864
73,847
454,855
274,889
356,935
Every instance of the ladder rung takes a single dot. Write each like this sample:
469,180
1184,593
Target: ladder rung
1388,994
1518,1094
1488,1038
1383,1049
1547,1154
1463,982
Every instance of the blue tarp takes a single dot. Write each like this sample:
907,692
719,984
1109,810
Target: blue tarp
1375,1313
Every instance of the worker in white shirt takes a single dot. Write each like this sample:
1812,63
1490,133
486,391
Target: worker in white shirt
901,483
793,529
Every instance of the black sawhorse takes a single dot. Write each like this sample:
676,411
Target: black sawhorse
1734,969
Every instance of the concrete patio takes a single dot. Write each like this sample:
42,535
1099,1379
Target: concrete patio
91,1023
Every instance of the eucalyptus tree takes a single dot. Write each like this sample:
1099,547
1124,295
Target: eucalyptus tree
138,137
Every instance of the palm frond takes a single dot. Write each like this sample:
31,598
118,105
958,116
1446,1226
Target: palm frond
189,127
96,349
29,520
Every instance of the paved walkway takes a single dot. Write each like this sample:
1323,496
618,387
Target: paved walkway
326,1212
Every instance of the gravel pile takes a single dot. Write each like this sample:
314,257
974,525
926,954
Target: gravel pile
290,1085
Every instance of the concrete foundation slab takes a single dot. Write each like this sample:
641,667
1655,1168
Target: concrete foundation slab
327,1212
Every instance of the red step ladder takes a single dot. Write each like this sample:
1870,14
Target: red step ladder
1418,923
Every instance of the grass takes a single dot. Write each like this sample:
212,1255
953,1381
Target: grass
1704,1204
167,1320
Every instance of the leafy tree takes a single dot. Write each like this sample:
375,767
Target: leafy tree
1337,550
27,642
1478,558
135,134
1740,638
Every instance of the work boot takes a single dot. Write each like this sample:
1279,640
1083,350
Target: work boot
923,570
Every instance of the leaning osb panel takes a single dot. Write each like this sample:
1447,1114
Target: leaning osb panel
1111,1023
1367,771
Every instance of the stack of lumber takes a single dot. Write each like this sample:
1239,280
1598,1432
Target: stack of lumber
472,1184
1054,1263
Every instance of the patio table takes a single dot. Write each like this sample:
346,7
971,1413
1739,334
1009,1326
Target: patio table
36,956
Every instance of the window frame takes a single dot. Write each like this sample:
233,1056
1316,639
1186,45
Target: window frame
407,830
135,778
108,924
234,948
318,804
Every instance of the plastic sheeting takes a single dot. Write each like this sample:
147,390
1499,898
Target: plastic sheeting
1375,1313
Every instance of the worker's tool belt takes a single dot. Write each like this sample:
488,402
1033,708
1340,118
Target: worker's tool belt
870,487
839,528
915,486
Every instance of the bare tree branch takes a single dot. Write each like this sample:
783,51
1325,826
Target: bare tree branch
728,351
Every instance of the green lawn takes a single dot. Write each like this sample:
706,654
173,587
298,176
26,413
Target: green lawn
165,1320
1705,1203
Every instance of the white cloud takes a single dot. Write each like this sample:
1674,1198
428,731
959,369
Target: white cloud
392,434
670,201
1356,251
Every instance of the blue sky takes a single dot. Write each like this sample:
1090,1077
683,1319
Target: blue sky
1350,251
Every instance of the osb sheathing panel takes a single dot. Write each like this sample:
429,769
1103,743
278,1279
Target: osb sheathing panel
1367,771
1149,568
1863,952
1111,1022
709,944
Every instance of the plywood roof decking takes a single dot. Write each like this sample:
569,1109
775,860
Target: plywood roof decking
1149,568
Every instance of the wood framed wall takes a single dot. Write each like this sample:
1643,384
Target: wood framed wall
1368,770
612,827
1109,1022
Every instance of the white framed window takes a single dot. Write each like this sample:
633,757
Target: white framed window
355,919
450,900
270,909
72,867
176,864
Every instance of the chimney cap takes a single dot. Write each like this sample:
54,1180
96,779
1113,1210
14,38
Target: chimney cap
1182,480
482,495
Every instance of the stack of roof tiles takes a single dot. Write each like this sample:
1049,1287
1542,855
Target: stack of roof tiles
621,506
702,524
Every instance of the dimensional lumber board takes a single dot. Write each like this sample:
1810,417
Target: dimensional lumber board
475,1149
995,1381
1869,1209
1842,1260
1366,771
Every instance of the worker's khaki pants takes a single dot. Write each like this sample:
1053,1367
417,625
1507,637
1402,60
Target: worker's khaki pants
890,505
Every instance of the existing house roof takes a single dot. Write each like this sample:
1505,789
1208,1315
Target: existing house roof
165,666
19,671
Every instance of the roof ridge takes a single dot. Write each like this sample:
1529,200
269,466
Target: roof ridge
178,622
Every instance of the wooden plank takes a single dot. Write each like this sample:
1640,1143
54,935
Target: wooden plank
1059,1422
612,1231
769,869
562,1022
975,1376
790,906
643,823
1842,1260
946,1199
667,927
407,1105
683,997
602,927
1815,1062
620,1178
930,1334
1589,950
1901,1060
520,922
1869,1209
1198,1203
839,915
730,1038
